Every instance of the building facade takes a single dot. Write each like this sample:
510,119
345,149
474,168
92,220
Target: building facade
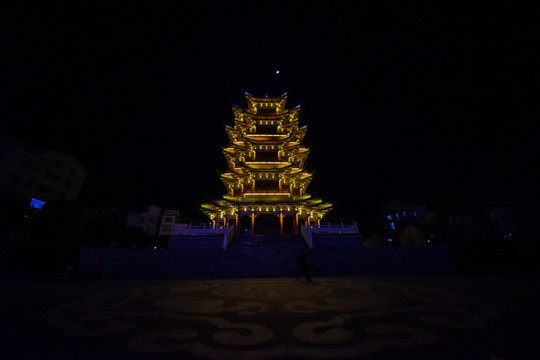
169,219
148,220
266,179
154,220
403,223
43,175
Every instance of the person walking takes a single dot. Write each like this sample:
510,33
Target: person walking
302,260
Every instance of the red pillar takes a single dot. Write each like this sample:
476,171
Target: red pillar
237,224
252,223
281,223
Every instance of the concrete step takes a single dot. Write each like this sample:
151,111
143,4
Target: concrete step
251,256
246,241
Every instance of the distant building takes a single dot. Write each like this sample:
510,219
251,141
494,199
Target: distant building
169,219
403,212
154,220
38,175
148,220
461,225
407,224
402,224
500,222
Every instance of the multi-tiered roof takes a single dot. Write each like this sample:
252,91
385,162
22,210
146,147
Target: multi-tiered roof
266,161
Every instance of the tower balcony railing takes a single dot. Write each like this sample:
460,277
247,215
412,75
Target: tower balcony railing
267,193
271,162
254,134
267,197
267,164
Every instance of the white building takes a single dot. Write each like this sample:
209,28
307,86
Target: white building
148,220
168,220
38,175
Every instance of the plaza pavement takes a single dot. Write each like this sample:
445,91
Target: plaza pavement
447,317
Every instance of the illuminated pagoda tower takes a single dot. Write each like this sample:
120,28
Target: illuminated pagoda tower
266,177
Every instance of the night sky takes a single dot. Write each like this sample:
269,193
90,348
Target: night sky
429,104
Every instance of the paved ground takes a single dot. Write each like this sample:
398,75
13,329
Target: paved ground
468,317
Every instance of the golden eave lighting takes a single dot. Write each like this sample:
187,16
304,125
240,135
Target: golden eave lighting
266,162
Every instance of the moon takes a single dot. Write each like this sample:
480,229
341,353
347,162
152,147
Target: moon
277,71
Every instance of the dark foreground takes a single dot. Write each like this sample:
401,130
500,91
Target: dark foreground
448,317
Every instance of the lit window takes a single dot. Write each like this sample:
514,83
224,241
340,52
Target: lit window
389,217
389,240
37,204
415,213
397,216
392,225
404,214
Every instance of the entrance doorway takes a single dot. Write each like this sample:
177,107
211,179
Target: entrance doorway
288,224
266,224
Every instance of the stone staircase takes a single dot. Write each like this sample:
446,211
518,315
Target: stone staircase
248,256
248,241
264,256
